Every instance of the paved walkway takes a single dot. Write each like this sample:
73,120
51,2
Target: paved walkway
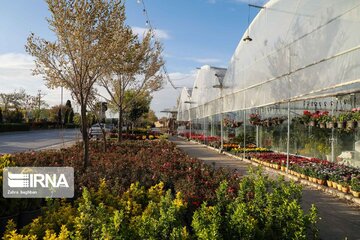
339,219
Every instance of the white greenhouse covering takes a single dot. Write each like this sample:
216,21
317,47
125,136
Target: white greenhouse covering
300,49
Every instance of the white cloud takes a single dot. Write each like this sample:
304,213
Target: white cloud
161,34
204,60
16,61
16,73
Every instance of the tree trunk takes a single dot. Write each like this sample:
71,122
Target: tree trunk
85,136
120,124
104,136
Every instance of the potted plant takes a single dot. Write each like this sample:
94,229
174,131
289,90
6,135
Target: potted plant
324,118
354,121
356,116
306,117
268,122
351,122
355,186
345,186
255,119
342,119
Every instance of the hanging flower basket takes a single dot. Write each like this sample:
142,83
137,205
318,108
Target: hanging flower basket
330,125
351,124
312,123
341,124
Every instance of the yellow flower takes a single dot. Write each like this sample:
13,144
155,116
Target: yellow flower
178,201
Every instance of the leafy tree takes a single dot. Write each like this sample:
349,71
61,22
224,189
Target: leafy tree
85,31
138,105
148,119
135,66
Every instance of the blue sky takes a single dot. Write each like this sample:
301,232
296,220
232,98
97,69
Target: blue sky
193,33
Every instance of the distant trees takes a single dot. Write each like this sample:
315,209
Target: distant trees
69,113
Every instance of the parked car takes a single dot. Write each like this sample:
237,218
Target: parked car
95,130
155,131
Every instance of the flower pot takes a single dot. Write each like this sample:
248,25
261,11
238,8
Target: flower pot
283,168
355,193
312,123
350,124
344,189
329,183
310,179
339,187
330,125
341,125
334,185
320,181
322,125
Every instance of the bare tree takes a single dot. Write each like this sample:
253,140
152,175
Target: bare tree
84,30
136,68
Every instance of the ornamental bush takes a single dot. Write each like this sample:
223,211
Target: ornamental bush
260,209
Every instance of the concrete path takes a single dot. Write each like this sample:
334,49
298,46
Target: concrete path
339,219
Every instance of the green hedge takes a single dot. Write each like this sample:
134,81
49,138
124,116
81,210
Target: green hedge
11,127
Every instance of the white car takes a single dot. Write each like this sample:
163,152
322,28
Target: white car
95,130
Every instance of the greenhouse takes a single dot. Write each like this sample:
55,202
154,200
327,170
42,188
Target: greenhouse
292,85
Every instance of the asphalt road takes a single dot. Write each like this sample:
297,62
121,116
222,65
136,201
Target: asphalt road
11,142
339,219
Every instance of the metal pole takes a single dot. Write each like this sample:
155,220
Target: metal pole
332,134
222,117
257,136
61,120
288,139
190,122
204,123
244,133
221,132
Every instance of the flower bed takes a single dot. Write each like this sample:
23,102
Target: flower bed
192,200
147,162
312,169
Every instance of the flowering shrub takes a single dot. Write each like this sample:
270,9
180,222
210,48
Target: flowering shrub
147,162
249,150
261,209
